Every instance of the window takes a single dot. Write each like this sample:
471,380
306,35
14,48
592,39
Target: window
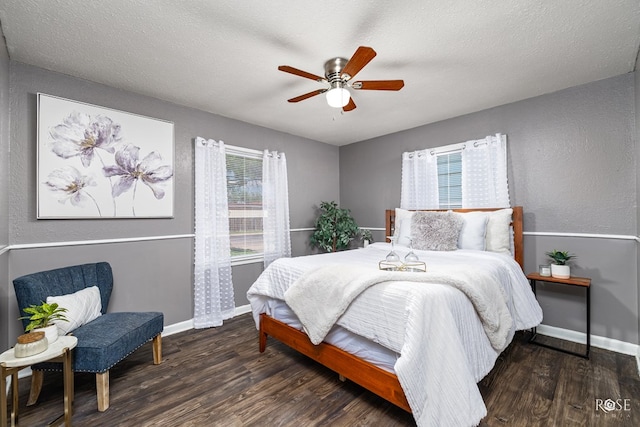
471,174
244,193
450,180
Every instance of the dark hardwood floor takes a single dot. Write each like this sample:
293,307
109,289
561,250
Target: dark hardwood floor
216,377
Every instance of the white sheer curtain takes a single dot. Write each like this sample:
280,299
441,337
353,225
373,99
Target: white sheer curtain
419,180
213,288
275,204
484,173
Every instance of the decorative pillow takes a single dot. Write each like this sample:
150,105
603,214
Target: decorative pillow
402,231
474,230
499,231
82,307
435,231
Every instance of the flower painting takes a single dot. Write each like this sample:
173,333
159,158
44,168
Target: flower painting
94,162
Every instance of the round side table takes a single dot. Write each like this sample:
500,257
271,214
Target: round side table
59,351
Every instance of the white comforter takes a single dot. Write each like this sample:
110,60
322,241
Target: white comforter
434,327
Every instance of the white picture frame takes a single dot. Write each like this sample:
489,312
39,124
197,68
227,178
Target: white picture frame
97,162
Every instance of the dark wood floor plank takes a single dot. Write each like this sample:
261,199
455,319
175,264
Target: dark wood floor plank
573,385
217,377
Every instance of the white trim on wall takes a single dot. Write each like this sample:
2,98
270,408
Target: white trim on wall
602,342
556,234
108,241
97,242
584,235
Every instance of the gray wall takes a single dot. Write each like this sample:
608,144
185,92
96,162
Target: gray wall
149,275
583,137
637,124
4,190
571,165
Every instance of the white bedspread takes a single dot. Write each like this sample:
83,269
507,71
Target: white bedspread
434,327
319,297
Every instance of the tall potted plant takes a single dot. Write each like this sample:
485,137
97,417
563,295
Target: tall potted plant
335,228
559,267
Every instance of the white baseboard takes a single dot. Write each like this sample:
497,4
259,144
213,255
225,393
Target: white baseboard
552,331
188,324
596,341
243,309
168,330
177,327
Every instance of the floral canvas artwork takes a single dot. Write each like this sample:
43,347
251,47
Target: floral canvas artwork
94,162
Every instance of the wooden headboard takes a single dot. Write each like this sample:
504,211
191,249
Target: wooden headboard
516,223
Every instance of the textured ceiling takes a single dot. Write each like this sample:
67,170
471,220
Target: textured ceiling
456,57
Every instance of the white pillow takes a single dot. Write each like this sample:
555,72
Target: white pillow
402,230
82,307
474,230
498,237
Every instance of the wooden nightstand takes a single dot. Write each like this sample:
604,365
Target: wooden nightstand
583,282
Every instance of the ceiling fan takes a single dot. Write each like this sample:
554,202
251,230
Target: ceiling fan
338,73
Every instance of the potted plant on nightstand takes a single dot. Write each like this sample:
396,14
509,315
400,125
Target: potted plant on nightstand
559,267
366,236
335,228
41,318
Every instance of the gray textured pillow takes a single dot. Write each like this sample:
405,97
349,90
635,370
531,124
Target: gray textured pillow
435,231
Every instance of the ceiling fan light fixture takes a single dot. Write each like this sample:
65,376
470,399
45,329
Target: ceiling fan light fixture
338,73
338,96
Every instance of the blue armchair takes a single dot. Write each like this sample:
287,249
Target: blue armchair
104,341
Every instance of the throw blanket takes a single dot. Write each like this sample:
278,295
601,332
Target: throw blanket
321,296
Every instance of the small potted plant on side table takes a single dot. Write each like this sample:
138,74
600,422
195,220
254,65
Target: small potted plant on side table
559,267
42,317
366,236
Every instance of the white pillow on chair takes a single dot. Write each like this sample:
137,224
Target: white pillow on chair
82,307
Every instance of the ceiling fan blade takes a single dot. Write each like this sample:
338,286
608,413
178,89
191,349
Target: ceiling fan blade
288,69
360,58
350,106
307,95
378,85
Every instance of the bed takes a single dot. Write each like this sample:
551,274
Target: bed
423,347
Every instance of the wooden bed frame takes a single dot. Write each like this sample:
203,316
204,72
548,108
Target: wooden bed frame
383,383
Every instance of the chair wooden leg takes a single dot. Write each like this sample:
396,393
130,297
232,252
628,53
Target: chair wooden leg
102,387
157,349
37,378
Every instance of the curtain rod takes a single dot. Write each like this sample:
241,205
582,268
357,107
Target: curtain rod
458,147
274,154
